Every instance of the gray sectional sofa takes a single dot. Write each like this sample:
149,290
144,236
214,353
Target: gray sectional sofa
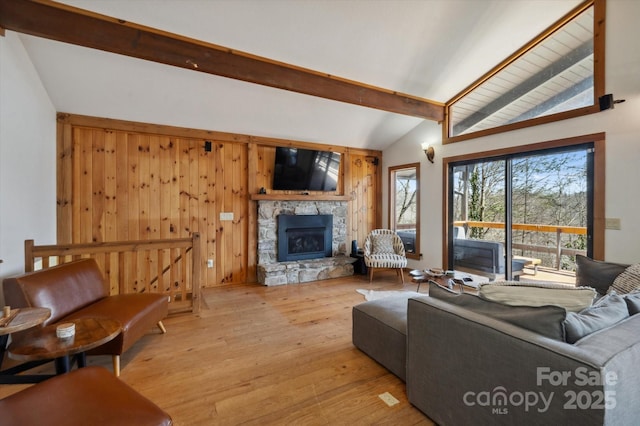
464,366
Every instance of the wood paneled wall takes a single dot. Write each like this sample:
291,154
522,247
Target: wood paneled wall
366,204
119,181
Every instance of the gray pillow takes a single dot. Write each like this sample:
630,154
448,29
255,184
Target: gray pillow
547,321
596,273
608,311
633,302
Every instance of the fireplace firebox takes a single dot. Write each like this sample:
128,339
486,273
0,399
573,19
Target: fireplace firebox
304,236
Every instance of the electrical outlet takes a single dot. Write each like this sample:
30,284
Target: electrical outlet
209,263
226,215
388,399
612,223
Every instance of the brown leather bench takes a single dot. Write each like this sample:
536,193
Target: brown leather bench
78,290
87,396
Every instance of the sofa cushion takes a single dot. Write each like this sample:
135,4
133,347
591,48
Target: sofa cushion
627,281
545,320
633,302
609,310
596,273
516,293
137,313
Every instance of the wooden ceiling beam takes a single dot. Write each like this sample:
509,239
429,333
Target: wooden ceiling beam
71,25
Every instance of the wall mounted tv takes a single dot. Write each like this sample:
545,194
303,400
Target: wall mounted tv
299,169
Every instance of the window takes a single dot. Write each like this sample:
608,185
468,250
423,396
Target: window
404,206
558,75
510,214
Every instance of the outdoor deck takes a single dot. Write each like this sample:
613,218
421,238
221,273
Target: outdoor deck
548,274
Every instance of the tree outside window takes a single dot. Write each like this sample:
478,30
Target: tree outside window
404,205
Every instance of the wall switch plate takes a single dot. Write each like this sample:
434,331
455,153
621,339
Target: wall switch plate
226,215
388,399
612,223
209,263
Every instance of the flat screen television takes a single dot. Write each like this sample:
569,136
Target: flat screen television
299,169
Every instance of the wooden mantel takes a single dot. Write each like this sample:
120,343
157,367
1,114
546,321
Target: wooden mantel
300,197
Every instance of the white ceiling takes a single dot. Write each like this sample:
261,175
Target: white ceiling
427,48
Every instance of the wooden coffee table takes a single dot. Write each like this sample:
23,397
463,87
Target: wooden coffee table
43,344
24,319
469,286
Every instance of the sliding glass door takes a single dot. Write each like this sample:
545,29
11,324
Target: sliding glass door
522,215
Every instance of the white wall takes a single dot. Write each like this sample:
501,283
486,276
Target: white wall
27,157
621,125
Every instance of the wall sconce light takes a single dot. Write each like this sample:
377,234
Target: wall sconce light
428,151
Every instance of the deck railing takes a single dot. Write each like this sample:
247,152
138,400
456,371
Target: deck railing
170,266
558,250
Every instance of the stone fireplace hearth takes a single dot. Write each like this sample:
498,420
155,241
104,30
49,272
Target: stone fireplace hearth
272,272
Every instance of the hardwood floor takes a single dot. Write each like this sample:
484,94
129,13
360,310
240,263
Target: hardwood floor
267,355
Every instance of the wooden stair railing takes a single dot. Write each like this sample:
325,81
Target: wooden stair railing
168,266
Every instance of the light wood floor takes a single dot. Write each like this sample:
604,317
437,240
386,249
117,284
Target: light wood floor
267,356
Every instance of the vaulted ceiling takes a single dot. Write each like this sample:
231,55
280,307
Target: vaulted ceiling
429,49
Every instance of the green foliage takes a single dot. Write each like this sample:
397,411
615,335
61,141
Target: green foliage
548,189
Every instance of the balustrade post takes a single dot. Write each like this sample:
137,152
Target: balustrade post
196,263
28,255
558,247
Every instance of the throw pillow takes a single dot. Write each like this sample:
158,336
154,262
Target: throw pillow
609,310
382,243
547,321
627,281
516,293
596,273
633,302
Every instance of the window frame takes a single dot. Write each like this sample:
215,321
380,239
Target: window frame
392,209
598,77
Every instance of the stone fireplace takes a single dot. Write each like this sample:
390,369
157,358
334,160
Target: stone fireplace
315,257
